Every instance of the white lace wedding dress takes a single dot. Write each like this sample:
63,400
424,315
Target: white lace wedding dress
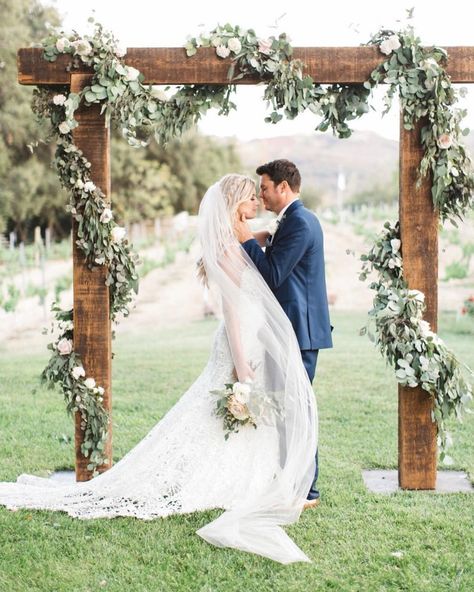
184,464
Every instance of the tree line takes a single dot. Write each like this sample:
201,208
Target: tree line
146,183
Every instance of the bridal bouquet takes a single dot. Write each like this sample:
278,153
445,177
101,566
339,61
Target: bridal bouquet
232,406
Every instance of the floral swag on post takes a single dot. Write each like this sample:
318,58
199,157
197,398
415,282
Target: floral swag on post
416,73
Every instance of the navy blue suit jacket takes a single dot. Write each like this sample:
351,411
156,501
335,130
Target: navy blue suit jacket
293,267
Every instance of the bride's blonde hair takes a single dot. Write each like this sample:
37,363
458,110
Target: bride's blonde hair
235,189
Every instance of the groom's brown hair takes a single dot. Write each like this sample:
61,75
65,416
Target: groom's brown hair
282,170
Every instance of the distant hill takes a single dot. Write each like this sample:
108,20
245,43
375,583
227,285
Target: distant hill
365,158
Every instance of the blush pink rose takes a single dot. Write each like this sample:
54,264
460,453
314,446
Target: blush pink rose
265,46
238,410
64,346
445,141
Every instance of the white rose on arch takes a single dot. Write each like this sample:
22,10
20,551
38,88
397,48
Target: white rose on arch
62,44
265,46
234,44
106,215
131,74
78,372
416,295
424,328
59,99
89,383
160,94
222,51
390,44
64,346
89,186
120,51
445,141
395,243
64,127
82,47
118,234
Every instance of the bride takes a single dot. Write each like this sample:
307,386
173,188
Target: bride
260,472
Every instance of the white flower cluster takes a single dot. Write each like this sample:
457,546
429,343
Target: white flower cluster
238,399
390,44
77,373
59,99
225,46
80,47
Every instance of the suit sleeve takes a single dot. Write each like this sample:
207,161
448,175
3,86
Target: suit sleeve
286,252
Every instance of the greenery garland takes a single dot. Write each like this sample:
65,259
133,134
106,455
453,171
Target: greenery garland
396,326
415,72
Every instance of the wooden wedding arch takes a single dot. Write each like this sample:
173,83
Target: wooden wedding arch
418,221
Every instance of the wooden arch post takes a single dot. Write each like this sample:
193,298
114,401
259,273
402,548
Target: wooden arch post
92,331
418,221
417,449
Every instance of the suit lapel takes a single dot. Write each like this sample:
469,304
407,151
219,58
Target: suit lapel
291,208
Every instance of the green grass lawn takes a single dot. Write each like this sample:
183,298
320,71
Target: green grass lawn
350,537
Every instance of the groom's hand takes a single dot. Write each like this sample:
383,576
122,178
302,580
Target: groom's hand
241,229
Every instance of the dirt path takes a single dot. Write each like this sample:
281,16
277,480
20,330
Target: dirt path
172,295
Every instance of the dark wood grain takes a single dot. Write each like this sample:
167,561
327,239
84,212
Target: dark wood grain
92,331
170,65
417,450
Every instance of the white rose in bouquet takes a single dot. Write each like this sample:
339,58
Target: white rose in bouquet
238,410
241,392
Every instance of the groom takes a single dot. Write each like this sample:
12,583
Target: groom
293,265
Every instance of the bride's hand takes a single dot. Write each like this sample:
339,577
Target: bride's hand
245,372
241,228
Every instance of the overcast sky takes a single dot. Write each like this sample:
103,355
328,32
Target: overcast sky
140,23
